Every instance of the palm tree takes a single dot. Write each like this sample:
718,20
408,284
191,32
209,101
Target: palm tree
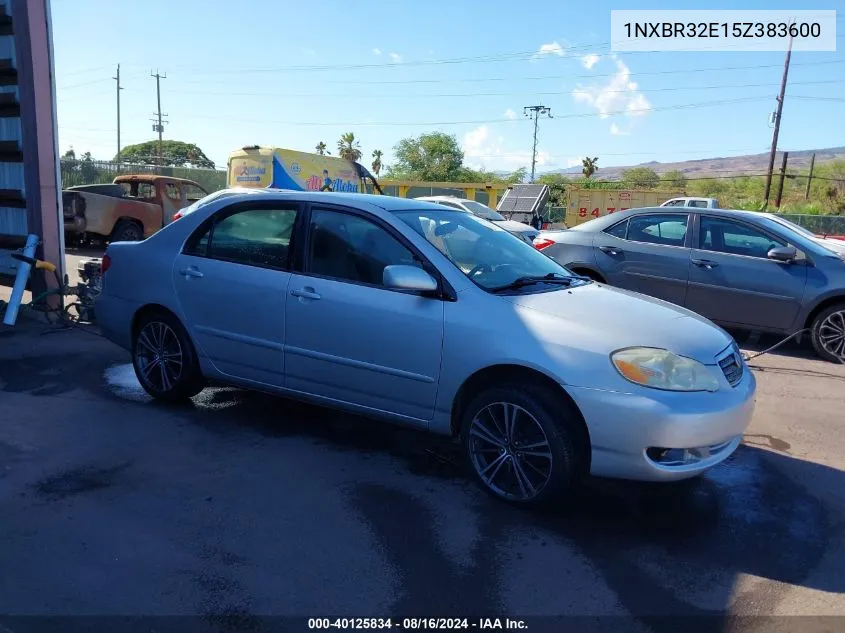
590,166
377,154
348,148
321,149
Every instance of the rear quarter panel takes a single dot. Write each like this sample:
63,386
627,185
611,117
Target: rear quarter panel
103,212
573,248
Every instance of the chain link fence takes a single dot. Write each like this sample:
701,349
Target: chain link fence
95,172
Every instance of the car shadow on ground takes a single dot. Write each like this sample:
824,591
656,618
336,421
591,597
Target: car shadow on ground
667,551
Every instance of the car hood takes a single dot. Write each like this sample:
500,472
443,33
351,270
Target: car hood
837,246
604,319
515,227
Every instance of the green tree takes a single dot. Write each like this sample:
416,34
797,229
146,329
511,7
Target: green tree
377,154
674,179
589,166
640,178
348,148
174,154
432,156
557,186
321,149
69,155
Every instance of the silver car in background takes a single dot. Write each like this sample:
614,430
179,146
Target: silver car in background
742,269
434,318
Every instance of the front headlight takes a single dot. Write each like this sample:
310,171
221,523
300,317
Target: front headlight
661,369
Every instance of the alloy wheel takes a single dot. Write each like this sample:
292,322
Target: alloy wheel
510,451
158,356
832,334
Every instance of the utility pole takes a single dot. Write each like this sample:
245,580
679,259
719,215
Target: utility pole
158,123
535,112
782,177
777,125
810,177
119,88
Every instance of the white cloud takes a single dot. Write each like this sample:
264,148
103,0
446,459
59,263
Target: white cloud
481,150
618,131
396,58
549,49
376,51
510,114
588,61
572,162
619,94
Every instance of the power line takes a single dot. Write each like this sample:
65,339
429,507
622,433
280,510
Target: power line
511,78
698,104
491,94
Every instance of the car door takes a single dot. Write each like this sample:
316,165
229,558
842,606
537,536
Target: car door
348,337
732,280
231,282
647,253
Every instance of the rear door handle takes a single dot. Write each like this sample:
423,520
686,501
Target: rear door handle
610,250
191,271
306,293
704,263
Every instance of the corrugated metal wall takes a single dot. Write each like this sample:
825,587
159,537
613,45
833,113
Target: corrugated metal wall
13,215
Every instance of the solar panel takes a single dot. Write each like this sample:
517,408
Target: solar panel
521,202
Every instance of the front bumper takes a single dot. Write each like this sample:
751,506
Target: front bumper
629,431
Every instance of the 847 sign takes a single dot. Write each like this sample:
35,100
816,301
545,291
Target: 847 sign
596,213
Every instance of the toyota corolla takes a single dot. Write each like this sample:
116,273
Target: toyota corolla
417,314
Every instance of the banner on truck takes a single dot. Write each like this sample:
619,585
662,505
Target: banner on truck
289,169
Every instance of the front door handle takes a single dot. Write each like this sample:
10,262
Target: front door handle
704,263
306,293
610,250
191,271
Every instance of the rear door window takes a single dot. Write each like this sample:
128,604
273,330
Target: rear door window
667,229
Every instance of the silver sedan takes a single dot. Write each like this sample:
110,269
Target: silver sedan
431,317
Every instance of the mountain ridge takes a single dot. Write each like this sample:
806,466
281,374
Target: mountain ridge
749,164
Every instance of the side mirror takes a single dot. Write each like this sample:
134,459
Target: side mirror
783,254
408,278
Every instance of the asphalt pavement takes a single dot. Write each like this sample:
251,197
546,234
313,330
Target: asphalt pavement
245,505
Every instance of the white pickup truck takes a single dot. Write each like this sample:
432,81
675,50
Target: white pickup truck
701,203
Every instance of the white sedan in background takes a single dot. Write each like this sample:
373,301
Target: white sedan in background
524,231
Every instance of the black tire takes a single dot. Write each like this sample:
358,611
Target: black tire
561,428
828,333
127,231
160,373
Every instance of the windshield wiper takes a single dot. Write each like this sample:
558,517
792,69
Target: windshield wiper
551,278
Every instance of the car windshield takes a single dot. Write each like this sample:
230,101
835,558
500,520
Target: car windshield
490,256
483,211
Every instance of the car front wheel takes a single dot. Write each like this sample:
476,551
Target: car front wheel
164,359
522,444
828,333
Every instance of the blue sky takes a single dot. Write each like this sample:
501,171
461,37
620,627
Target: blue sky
291,74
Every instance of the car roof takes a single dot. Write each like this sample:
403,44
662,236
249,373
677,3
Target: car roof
445,198
599,224
387,203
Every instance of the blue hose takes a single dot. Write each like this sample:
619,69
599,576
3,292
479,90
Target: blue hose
20,282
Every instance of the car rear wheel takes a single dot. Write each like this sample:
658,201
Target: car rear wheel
126,231
164,359
522,444
828,333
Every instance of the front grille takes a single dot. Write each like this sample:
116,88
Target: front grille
731,366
